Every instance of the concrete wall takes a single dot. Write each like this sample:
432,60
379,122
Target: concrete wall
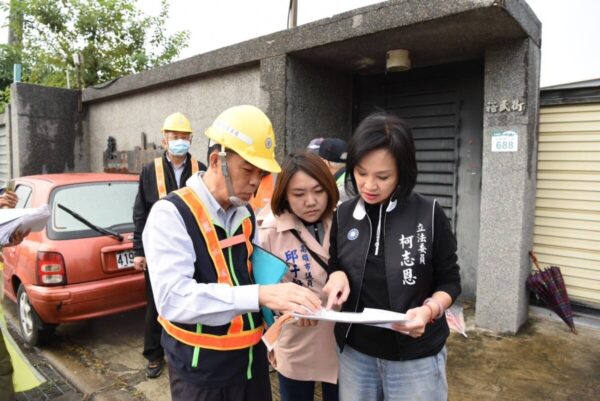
201,100
508,187
273,98
5,161
47,134
319,103
469,180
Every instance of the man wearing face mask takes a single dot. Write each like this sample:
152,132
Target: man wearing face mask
158,178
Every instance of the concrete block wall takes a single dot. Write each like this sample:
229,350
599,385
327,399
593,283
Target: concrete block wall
319,103
200,100
47,135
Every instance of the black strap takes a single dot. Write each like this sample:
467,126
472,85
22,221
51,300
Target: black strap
312,253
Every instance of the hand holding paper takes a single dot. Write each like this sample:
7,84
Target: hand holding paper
17,237
269,269
22,220
8,199
415,325
287,297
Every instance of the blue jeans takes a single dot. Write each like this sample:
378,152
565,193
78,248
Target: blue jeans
298,390
365,378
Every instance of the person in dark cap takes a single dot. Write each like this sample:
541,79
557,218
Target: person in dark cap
314,145
334,151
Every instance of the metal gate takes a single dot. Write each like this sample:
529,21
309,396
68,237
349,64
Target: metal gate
567,215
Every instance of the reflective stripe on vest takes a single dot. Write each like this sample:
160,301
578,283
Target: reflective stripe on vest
161,184
247,227
215,249
227,342
340,180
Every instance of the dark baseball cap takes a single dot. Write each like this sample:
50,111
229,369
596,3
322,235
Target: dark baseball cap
334,149
314,145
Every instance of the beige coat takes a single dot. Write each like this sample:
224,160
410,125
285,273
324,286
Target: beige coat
302,353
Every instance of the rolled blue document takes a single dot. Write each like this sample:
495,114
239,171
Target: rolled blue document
267,269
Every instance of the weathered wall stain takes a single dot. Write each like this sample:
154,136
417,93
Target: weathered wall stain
49,131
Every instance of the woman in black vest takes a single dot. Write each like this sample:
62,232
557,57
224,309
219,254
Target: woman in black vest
391,248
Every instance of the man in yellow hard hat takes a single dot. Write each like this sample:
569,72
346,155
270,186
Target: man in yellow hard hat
198,242
158,178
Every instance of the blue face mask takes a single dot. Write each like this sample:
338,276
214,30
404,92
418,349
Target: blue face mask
179,147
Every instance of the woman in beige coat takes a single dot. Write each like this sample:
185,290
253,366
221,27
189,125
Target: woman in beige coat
297,231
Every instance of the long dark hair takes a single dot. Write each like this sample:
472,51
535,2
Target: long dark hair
313,166
382,130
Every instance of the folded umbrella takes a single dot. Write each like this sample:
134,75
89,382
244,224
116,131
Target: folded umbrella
549,286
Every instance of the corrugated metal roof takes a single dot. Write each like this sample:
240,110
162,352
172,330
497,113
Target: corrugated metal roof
589,83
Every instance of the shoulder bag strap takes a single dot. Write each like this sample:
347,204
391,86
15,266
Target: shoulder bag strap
312,253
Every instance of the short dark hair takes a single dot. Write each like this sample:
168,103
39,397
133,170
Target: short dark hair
383,130
312,165
215,147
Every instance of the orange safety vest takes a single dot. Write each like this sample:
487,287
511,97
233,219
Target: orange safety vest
264,193
160,175
236,337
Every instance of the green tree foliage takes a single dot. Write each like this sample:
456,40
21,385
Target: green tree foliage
7,58
113,37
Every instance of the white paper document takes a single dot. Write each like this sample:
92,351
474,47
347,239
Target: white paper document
11,220
367,316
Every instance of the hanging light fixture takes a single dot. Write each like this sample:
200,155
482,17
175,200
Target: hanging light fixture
397,60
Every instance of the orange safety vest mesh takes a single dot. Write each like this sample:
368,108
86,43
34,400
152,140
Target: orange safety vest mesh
161,184
236,337
264,193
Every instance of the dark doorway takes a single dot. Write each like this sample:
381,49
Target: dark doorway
430,99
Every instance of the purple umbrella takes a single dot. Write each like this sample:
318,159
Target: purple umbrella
549,286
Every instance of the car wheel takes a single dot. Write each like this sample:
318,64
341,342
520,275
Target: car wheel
33,330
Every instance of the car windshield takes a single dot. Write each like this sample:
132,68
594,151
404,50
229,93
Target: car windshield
105,204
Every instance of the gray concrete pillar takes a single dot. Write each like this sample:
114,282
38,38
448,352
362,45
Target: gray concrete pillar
508,184
272,98
304,101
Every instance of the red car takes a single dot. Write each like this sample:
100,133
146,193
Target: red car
81,265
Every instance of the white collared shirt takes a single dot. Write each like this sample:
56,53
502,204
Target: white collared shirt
170,258
177,170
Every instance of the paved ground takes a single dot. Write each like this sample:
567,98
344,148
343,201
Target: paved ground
545,362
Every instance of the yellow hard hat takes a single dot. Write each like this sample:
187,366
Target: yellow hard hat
177,122
248,132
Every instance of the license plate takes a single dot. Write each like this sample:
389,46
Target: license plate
125,259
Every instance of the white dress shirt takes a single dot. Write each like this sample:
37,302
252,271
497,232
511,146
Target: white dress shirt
170,257
178,170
